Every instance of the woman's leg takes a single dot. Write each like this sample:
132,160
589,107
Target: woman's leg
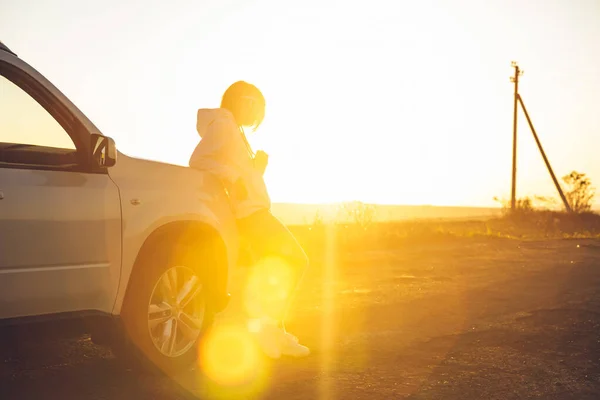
281,264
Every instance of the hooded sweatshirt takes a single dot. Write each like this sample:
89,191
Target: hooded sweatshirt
224,151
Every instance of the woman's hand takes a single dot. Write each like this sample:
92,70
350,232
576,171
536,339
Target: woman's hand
261,160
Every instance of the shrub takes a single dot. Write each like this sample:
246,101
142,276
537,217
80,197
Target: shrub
580,192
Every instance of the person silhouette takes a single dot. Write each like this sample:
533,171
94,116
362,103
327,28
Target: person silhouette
224,151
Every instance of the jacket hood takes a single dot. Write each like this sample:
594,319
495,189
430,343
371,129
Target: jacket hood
207,116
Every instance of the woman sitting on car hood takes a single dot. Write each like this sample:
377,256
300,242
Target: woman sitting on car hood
224,151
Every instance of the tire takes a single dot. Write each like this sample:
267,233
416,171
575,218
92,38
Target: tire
155,306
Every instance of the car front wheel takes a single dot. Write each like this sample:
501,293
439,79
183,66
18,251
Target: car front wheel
166,312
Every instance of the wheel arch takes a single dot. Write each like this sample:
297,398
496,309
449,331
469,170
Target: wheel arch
192,235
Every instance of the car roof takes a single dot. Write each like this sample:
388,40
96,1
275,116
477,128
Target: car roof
3,47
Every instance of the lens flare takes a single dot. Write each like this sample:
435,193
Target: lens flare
268,287
230,357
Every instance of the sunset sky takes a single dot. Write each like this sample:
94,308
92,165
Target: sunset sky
394,101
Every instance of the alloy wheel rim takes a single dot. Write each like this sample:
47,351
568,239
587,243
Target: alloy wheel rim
176,311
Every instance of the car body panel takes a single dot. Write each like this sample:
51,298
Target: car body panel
60,242
155,194
151,194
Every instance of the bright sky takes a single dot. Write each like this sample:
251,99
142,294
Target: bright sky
383,101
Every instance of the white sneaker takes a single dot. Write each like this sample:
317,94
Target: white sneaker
294,338
291,347
269,339
274,341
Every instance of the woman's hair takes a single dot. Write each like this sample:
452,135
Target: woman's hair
246,103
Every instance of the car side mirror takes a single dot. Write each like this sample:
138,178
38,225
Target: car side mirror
104,151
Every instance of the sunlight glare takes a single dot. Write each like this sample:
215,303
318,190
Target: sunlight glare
328,320
269,284
231,359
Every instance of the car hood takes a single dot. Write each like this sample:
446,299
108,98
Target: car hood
155,175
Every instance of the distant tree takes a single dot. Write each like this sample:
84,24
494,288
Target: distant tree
522,204
580,192
318,220
525,204
361,214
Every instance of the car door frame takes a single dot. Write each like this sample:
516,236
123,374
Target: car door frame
66,114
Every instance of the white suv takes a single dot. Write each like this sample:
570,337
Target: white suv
88,234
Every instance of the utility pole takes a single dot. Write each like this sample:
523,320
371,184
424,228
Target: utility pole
515,80
518,100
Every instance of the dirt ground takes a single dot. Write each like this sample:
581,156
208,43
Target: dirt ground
469,319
